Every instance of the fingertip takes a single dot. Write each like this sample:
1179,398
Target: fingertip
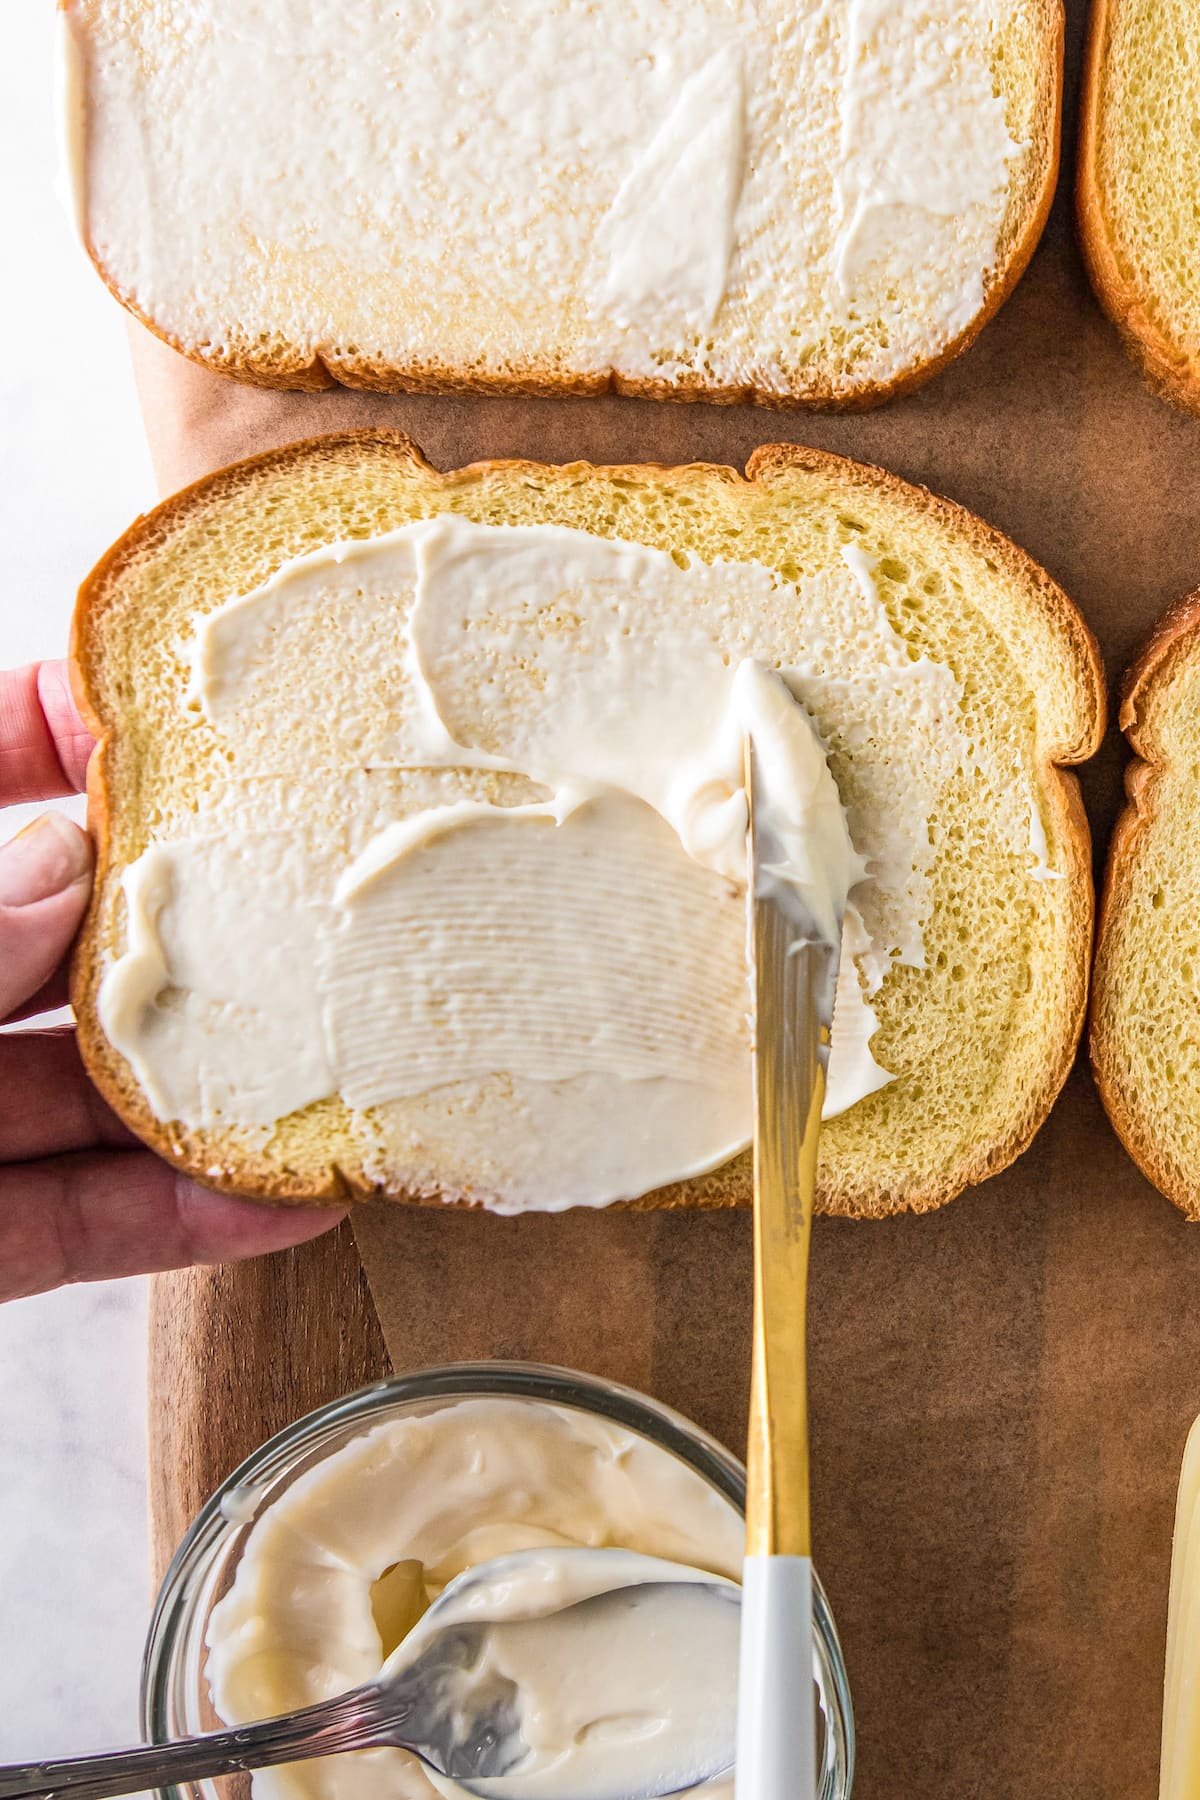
50,856
225,1228
72,739
45,881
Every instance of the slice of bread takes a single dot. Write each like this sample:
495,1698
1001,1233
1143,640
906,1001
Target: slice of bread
1145,1023
783,201
1139,176
977,1027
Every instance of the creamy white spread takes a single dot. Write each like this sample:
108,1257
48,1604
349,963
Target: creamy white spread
734,187
552,979
418,1501
1043,869
913,164
616,1672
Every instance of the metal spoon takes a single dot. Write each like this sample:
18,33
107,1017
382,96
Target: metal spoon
449,1706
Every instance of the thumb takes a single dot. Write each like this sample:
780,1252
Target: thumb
45,880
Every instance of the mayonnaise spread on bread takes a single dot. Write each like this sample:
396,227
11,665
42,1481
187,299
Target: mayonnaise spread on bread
731,191
339,1568
536,964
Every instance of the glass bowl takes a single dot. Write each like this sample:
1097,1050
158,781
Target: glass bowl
174,1695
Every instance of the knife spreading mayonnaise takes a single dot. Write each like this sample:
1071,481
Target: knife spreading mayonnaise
473,864
416,1501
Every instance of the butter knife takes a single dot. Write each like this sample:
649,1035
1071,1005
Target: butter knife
795,967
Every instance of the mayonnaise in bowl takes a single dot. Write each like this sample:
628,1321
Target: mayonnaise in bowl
365,1510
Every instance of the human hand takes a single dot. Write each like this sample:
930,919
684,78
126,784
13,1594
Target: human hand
80,1199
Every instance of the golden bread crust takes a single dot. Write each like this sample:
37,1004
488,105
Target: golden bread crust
1169,368
1175,638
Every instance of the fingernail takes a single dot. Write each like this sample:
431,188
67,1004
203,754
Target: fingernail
48,856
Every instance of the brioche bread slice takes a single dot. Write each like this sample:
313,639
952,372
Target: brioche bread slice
1145,1016
779,200
1139,175
978,1039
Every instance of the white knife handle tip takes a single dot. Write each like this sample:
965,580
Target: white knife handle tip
776,1740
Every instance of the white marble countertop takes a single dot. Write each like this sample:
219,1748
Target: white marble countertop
74,1567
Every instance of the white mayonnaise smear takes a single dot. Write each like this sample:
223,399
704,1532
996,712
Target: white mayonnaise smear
555,977
421,1499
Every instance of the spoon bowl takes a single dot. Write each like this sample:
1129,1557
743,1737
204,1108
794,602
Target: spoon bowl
606,1692
557,1674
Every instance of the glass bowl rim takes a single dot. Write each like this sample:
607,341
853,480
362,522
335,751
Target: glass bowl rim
482,1378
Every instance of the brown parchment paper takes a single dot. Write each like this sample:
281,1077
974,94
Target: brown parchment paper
1001,1390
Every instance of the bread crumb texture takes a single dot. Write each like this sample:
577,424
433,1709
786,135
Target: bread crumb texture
1145,1028
979,1039
1140,182
795,202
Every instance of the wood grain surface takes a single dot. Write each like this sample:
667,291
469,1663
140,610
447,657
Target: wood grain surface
239,1351
1001,1391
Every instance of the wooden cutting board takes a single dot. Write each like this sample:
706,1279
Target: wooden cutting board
237,1353
1001,1391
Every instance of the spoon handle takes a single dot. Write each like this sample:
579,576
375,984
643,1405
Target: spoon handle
353,1721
